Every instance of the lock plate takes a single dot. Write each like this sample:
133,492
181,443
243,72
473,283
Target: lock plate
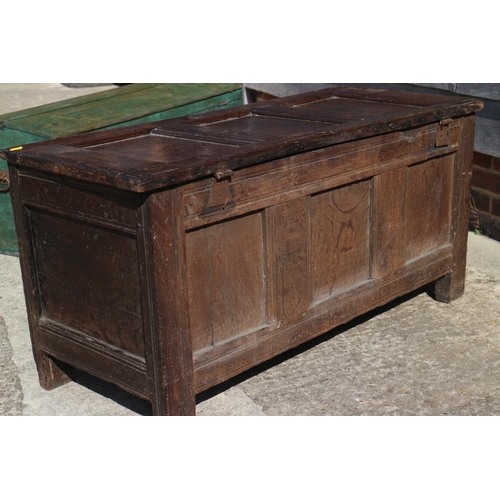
221,195
443,133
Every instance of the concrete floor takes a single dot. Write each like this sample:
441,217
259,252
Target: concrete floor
17,96
413,357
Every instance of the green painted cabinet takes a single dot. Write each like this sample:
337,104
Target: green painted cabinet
127,105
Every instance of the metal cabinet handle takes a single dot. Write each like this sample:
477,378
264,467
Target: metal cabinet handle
4,182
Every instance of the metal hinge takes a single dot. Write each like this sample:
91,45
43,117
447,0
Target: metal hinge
443,133
4,181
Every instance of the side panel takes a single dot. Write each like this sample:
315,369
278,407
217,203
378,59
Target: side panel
88,279
82,281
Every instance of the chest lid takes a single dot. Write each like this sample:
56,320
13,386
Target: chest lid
165,153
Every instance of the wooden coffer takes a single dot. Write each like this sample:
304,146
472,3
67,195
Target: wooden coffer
168,257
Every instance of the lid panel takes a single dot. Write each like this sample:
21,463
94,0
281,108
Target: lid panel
255,128
154,156
337,110
350,109
158,148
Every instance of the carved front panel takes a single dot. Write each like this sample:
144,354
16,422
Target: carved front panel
251,277
340,239
252,272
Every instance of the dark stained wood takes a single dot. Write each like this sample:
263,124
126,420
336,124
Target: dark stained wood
121,106
52,373
199,289
415,99
88,279
226,280
114,365
165,303
315,171
231,358
236,254
112,209
428,205
154,148
171,257
126,172
340,239
333,110
451,287
289,227
388,223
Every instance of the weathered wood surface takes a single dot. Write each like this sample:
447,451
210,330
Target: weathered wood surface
487,128
167,336
452,285
91,156
188,251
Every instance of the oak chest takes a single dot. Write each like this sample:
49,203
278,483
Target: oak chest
168,257
127,105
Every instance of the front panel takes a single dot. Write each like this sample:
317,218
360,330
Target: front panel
294,268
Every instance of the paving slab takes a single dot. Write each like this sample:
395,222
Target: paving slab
413,357
19,96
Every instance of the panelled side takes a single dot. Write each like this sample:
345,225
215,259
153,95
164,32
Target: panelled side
80,265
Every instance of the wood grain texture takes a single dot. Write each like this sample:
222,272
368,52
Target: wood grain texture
52,373
116,366
389,246
8,237
165,305
340,239
107,207
337,110
199,289
308,173
289,232
75,101
228,359
88,279
428,206
124,171
226,280
452,285
118,106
